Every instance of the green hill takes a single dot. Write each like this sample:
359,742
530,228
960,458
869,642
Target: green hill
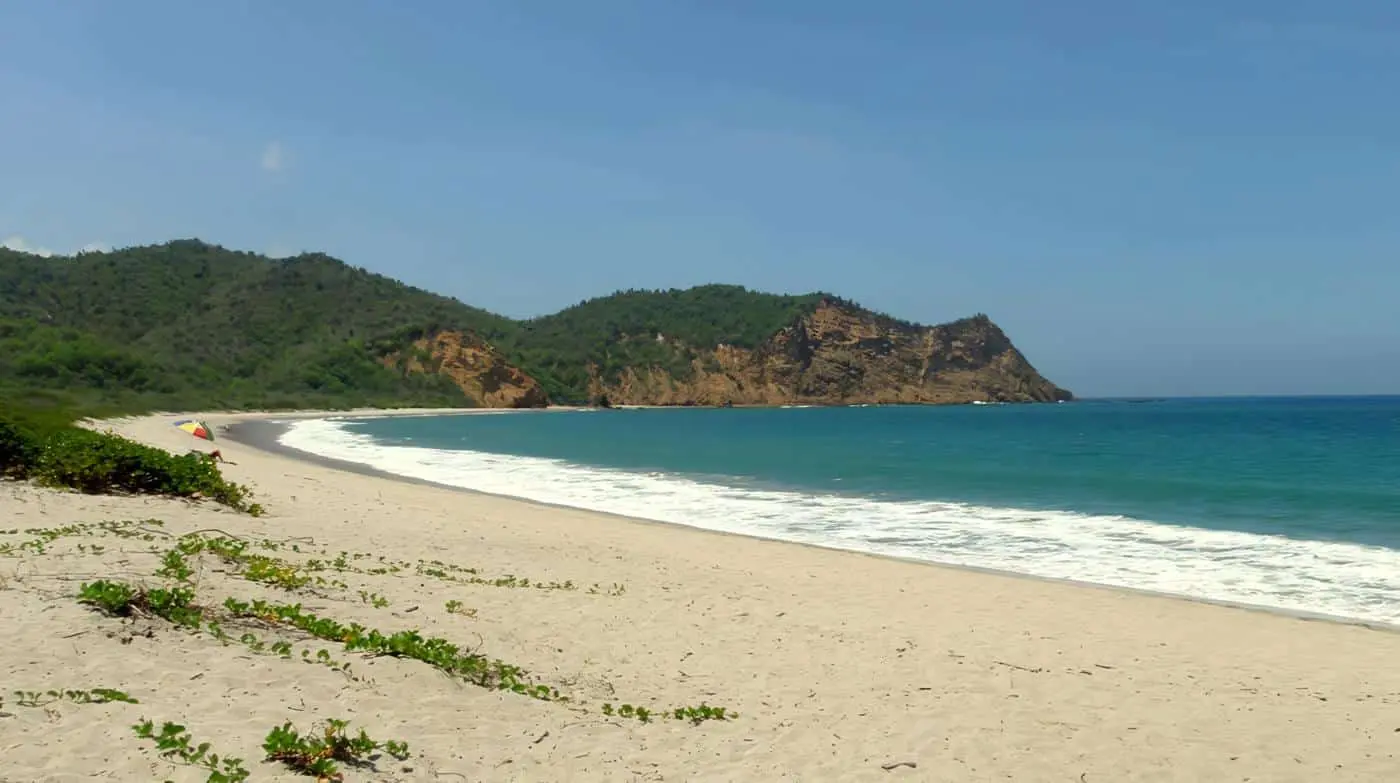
191,325
619,331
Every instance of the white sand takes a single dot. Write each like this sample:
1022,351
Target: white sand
838,663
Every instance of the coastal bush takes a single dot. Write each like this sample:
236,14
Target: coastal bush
63,455
98,463
23,430
18,450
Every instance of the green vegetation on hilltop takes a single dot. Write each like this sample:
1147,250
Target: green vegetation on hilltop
646,328
186,324
190,325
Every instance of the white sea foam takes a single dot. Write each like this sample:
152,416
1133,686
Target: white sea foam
1338,579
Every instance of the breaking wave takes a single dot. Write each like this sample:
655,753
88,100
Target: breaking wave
1327,578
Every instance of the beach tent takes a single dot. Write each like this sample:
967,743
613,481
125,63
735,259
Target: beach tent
196,428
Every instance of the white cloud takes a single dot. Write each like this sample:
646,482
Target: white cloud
20,244
273,157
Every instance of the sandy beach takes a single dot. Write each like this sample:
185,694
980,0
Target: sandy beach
840,666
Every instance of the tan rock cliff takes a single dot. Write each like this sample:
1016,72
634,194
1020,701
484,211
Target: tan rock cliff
842,355
477,369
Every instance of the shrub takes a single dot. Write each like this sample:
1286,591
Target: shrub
99,463
18,449
22,433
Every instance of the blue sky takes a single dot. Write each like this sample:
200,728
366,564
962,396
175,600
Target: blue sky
1152,198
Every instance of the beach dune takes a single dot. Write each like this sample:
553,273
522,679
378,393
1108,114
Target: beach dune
840,666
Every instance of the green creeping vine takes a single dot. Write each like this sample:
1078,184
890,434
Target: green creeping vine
317,754
694,715
628,711
176,605
122,600
439,653
288,576
89,696
253,567
447,572
373,599
702,713
457,607
119,599
43,536
176,744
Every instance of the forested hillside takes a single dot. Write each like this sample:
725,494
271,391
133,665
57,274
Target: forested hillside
197,325
192,325
667,329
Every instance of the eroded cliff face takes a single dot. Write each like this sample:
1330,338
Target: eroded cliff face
477,369
840,355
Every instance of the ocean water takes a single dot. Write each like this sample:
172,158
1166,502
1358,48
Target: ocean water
1283,503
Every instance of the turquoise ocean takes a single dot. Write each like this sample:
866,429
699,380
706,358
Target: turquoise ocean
1289,503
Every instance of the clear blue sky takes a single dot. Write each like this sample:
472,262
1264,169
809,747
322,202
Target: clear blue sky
1152,198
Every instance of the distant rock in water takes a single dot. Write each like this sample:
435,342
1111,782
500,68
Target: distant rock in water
843,354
